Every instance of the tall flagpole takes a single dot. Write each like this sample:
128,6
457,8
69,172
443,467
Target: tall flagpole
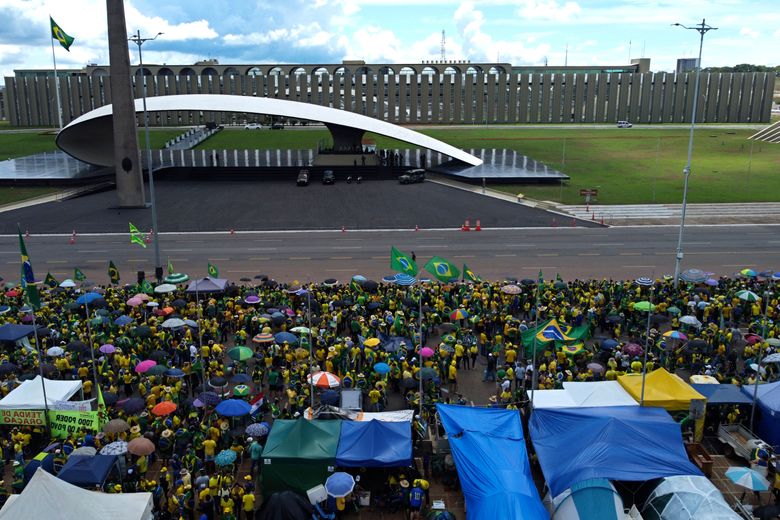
420,354
91,346
56,81
40,371
647,347
536,326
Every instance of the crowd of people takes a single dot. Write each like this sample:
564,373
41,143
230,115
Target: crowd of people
260,342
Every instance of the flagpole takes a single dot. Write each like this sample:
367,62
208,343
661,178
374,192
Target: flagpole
200,339
40,371
91,347
311,348
420,354
56,81
767,295
647,347
536,326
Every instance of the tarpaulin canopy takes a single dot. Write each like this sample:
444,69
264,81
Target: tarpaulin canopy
29,395
551,399
582,394
299,455
634,443
662,389
13,332
489,451
722,394
87,470
768,423
374,444
46,496
207,285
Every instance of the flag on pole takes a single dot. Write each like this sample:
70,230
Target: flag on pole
442,269
469,275
146,287
213,271
50,281
31,295
113,272
400,261
170,267
136,237
79,275
61,36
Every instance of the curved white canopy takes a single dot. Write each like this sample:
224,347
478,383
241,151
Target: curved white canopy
90,137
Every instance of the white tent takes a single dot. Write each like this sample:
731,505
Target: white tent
29,395
552,399
46,496
599,393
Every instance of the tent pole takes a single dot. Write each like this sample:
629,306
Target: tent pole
91,347
40,371
647,347
311,348
767,294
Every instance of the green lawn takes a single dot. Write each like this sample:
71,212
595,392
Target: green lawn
16,194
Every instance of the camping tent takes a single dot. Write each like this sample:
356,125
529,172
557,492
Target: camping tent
489,451
299,455
686,498
577,394
722,394
87,470
592,499
29,395
46,496
662,389
634,443
207,285
375,444
768,425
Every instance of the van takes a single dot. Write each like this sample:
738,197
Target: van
624,124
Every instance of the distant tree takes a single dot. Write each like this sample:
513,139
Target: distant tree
745,67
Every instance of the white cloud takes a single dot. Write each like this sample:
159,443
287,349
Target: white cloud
196,30
548,10
749,33
309,35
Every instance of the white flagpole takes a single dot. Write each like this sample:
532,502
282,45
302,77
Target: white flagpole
56,80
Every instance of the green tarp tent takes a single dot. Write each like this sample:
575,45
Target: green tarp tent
574,335
299,454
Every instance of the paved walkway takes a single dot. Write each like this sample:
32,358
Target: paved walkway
644,214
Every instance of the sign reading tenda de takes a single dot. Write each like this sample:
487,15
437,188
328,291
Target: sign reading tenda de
22,417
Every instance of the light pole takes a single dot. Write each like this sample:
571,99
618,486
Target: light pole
702,29
767,296
149,167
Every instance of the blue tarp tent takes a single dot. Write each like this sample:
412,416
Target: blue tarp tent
722,394
634,443
87,470
489,451
13,332
768,425
374,444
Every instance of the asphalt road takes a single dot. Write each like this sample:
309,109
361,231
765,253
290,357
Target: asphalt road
619,253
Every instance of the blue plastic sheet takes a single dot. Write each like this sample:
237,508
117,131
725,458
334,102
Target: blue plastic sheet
631,443
768,423
374,444
87,470
722,394
13,332
489,451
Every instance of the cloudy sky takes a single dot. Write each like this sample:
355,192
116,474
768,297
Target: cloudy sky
328,31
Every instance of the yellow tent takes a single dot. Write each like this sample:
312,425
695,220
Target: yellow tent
661,389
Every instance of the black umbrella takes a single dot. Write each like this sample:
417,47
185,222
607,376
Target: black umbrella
159,355
408,302
270,283
408,383
98,303
179,303
373,305
142,331
330,281
261,277
698,344
245,279
659,318
285,505
77,346
218,382
370,286
614,318
340,303
133,405
110,398
209,398
527,281
48,369
8,368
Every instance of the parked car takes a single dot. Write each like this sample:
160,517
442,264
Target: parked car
277,126
303,178
412,176
624,124
253,126
328,177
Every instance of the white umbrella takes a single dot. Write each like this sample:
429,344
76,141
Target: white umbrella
55,351
300,330
152,304
68,283
165,288
115,448
771,358
173,323
691,320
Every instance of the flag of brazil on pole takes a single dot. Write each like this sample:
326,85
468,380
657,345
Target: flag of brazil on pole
58,34
442,269
400,261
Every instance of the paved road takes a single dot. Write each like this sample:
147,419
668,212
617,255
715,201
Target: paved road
522,252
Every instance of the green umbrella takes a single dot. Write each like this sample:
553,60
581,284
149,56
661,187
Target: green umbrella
241,390
157,370
748,296
240,353
501,373
673,310
300,330
428,373
644,306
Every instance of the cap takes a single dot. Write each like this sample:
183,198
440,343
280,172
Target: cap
247,477
404,483
249,439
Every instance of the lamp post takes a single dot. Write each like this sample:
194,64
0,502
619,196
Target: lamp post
767,296
646,282
157,265
702,29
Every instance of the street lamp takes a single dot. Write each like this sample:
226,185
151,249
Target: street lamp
702,29
157,265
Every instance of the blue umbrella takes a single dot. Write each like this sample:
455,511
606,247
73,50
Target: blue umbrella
257,429
359,278
240,379
382,368
233,408
330,397
225,458
133,405
123,320
209,398
609,344
174,372
405,280
747,478
694,275
281,337
389,278
88,298
339,484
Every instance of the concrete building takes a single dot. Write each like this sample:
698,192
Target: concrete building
685,65
3,115
452,92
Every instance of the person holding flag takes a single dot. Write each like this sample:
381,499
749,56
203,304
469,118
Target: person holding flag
50,281
136,237
213,271
444,270
79,275
113,273
400,261
469,276
31,295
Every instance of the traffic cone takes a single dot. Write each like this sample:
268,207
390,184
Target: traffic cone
416,227
602,220
593,215
73,237
26,233
573,222
478,227
148,239
232,231
554,222
343,229
466,226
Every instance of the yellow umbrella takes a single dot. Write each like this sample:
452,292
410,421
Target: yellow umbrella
371,342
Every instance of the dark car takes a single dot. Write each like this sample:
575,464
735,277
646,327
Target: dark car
328,177
303,178
412,176
277,126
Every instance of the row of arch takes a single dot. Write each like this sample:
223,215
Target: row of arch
294,70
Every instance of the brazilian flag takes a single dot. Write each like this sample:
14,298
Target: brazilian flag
79,275
50,281
400,261
469,275
58,34
170,267
146,287
213,271
113,272
31,295
443,270
136,237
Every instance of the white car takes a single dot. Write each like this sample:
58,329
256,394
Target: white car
253,126
624,124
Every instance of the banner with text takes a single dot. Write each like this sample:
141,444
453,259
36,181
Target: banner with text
64,423
22,417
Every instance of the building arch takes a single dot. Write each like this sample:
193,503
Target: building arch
254,71
230,72
100,71
406,70
452,69
474,69
187,71
209,71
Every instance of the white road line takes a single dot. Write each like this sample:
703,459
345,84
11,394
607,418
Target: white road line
587,254
463,256
440,246
177,251
738,265
379,257
218,259
136,261
341,258
346,247
642,266
102,251
698,243
609,244
547,254
262,248
339,270
630,254
56,261
503,256
252,271
299,258
520,245
259,258
11,263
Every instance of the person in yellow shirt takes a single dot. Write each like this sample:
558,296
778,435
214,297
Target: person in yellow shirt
248,505
452,376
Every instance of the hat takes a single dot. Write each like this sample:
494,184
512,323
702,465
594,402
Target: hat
183,471
135,429
249,439
118,487
404,483
152,482
247,477
17,463
167,433
224,426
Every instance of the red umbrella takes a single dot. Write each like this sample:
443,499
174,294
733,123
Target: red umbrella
164,408
324,380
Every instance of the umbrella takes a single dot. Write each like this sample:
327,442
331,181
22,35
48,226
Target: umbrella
67,283
252,299
573,350
134,301
176,278
258,429
77,346
300,330
240,353
164,408
596,368
173,323
8,368
339,484
644,306
673,310
747,272
178,303
712,282
108,348
175,372
673,334
282,337
157,370
115,448
142,331
609,344
371,342
644,281
209,398
632,349
233,408
55,352
512,289
225,458
123,320
116,426
330,282
158,355
459,314
218,382
773,342
408,383
144,366
382,368
694,275
771,358
330,397
240,379
84,451
691,320
448,327
404,280
140,446
748,296
240,391
428,373
426,352
698,379
747,478
88,298
165,288
284,505
133,405
263,338
323,380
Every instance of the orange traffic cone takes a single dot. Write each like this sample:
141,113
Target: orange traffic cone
478,227
466,226
232,231
73,237
554,222
416,227
573,222
343,229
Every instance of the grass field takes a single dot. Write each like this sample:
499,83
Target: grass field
628,166
10,194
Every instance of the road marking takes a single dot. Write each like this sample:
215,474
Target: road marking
379,257
219,259
339,270
14,262
262,248
441,246
500,256
665,253
463,256
547,254
643,266
341,258
56,261
105,251
177,250
520,245
299,258
9,252
347,247
179,259
587,254
252,271
259,258
609,244
268,240
630,254
698,243
348,239
136,261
